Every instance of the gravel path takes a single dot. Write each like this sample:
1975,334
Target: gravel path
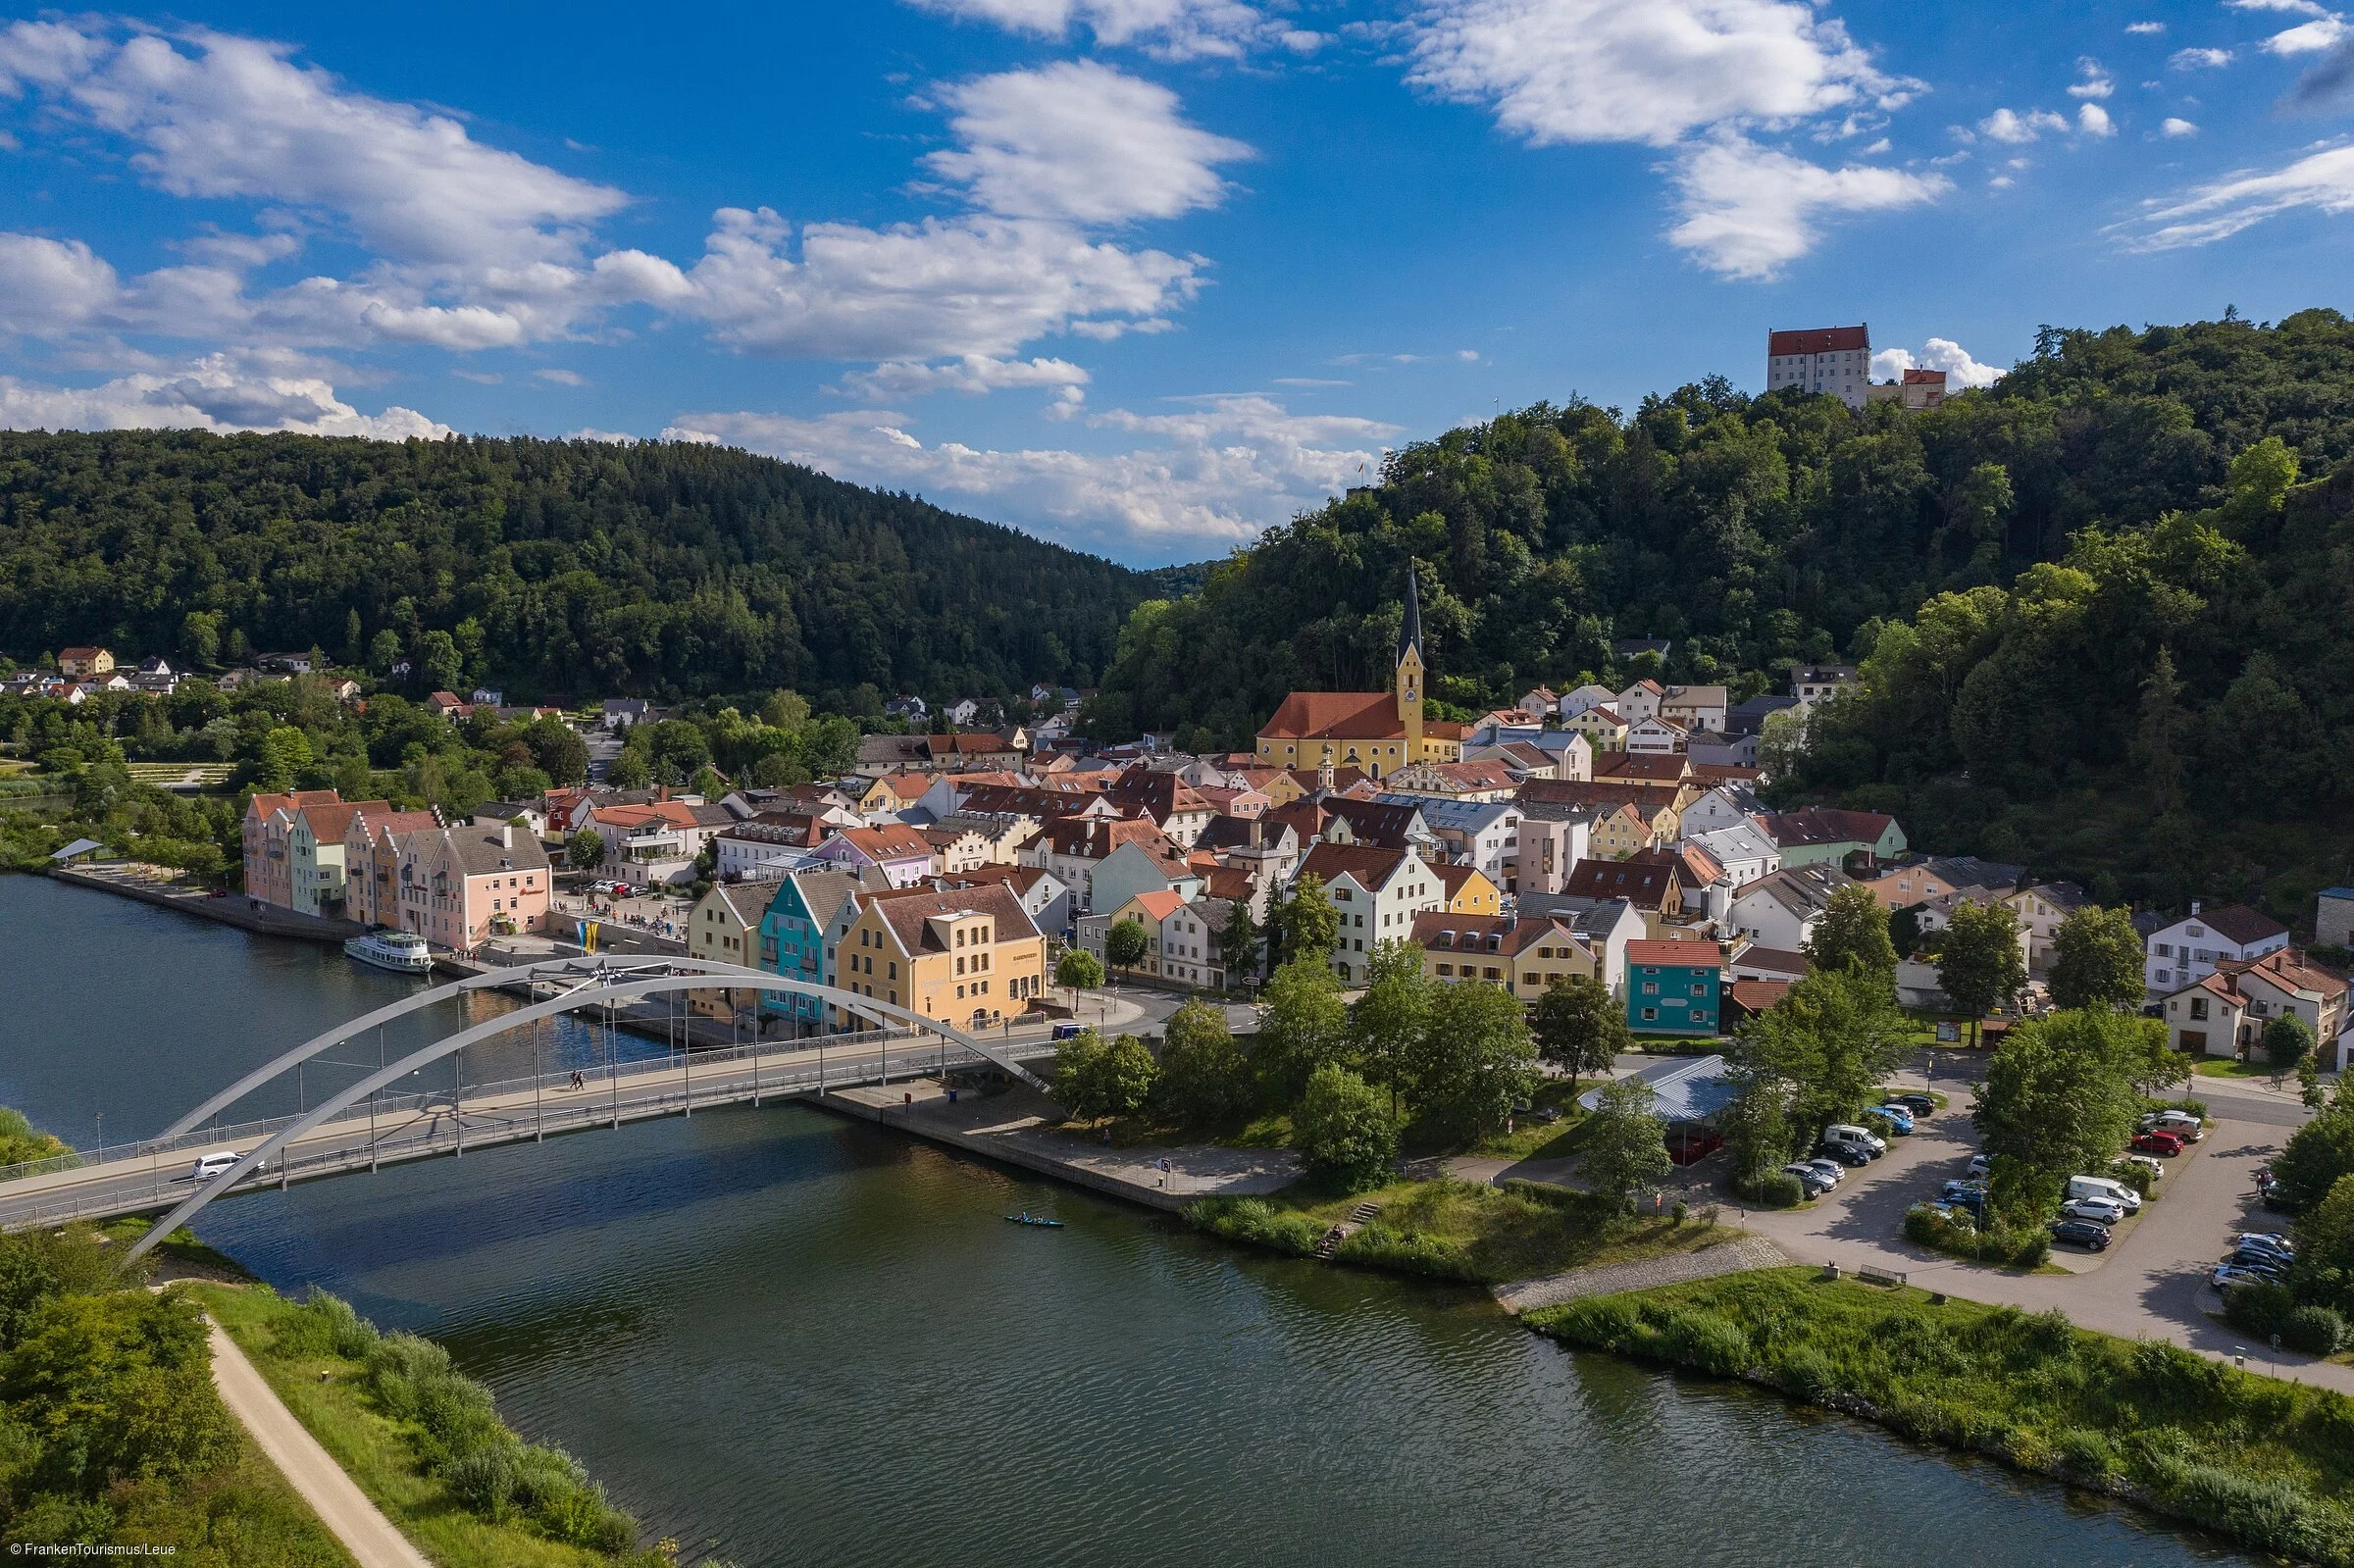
1723,1257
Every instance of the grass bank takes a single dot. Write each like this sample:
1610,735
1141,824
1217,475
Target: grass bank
423,1442
2264,1462
1453,1230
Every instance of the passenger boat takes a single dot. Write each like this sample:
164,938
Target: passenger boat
401,951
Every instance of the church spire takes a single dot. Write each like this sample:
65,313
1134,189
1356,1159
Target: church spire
1409,630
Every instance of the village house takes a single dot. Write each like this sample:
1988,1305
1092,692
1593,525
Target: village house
724,927
2280,984
1524,955
1694,707
1742,849
2041,909
2192,948
1189,943
802,910
269,874
1475,832
1817,683
2209,1017
955,849
1469,890
1656,736
898,852
1639,701
1673,988
371,863
1601,727
1377,893
84,664
315,839
1145,909
1651,888
1046,900
768,846
1916,882
1782,910
1828,836
1076,848
459,886
966,956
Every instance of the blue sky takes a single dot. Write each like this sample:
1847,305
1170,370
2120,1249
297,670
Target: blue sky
1144,275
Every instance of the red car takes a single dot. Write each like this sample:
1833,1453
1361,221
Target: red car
2165,1143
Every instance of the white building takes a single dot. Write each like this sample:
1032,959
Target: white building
1821,359
2188,951
1378,892
1782,909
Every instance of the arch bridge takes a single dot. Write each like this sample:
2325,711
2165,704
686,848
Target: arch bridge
363,1126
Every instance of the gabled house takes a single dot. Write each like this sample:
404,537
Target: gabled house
1782,910
1469,890
460,887
1640,701
802,910
724,927
899,852
2284,984
2041,909
1602,727
1377,893
1649,885
1694,707
966,956
269,875
2193,948
1145,909
1523,955
1189,943
1828,836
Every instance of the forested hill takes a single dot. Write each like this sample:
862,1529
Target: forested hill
554,567
1760,532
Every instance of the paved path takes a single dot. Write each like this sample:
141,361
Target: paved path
309,1469
1723,1257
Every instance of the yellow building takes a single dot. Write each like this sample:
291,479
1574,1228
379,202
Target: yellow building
1379,731
724,927
1469,892
967,957
1602,728
1524,956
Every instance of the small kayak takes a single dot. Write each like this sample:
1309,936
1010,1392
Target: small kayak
1027,1218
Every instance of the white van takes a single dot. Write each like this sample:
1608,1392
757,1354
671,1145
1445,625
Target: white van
2102,1187
2181,1124
1848,1136
209,1166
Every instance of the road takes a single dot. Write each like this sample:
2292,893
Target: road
309,1469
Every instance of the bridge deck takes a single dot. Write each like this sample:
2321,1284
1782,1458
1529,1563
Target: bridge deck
143,1179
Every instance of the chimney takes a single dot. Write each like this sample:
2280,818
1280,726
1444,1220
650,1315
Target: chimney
2194,906
1258,833
506,835
661,792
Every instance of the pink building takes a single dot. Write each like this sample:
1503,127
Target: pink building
269,818
458,886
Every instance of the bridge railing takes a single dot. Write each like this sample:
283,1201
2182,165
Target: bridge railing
146,1150
429,1122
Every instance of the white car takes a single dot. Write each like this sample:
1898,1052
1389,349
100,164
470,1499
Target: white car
2181,1124
1980,1166
1832,1171
209,1166
2147,1163
2097,1209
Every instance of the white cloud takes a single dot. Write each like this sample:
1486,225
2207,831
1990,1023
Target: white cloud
562,377
235,118
2008,125
2145,29
2323,182
2175,126
1079,141
1938,354
1211,477
1171,29
2093,120
975,373
2200,58
1749,210
2296,8
2312,37
1597,71
221,392
590,432
2094,83
945,287
47,282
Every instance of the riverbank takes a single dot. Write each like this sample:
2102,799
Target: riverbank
158,885
2257,1460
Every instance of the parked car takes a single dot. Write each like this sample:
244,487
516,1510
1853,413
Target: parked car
1851,1155
2146,1163
2103,1186
1811,1180
2270,1264
1848,1136
2162,1145
1917,1105
1895,1118
1954,1214
2270,1240
2092,1208
2081,1233
2189,1128
1833,1170
2227,1275
1960,1188
1980,1165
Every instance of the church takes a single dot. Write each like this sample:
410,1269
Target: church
1379,731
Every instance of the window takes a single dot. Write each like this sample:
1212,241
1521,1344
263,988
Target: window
2166,949
1649,1013
2198,1007
1651,988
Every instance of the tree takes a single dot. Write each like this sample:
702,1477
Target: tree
1580,1027
1757,1126
286,756
1387,1023
1302,1025
1305,924
1830,1042
1853,933
2287,1041
1980,966
1204,1078
2159,750
2058,1100
1094,1079
560,750
2317,1155
200,637
1237,941
2323,1272
1124,944
1078,969
1625,1143
437,663
630,770
2096,960
1344,1137
586,849
1474,1060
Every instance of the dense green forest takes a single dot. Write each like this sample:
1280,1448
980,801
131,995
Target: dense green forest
549,568
2011,567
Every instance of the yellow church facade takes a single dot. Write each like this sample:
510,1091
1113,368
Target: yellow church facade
1378,731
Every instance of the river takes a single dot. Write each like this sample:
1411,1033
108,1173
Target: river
784,1337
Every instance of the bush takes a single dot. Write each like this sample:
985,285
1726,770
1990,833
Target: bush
326,1325
2314,1331
1407,1251
1775,1189
2259,1310
1343,1130
1702,1339
1805,1373
2138,1177
2025,1248
1258,1222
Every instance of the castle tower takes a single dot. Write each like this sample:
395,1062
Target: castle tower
1410,668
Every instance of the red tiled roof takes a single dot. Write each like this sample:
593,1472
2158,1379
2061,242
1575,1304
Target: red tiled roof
1691,954
1817,341
1367,867
1924,377
895,842
2242,924
1335,716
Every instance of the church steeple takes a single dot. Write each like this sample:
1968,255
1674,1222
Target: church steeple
1410,668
